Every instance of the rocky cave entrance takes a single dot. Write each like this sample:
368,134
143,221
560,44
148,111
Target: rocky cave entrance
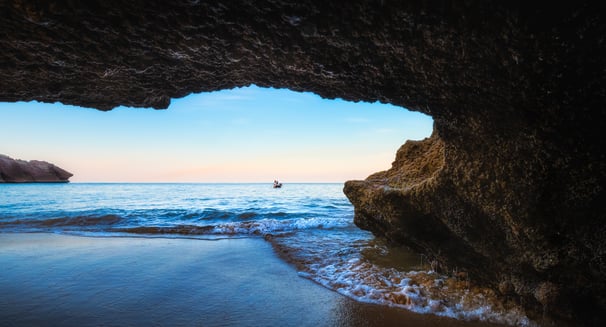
516,91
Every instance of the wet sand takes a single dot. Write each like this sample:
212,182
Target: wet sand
62,280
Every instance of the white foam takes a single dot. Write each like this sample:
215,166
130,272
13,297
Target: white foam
366,282
268,226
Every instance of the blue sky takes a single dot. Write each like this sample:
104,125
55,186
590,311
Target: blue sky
246,134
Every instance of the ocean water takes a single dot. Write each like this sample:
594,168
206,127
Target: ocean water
309,226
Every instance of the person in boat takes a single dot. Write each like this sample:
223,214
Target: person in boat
277,184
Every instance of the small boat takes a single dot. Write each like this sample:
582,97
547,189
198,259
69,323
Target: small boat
277,184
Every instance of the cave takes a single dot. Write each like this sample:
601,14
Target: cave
510,186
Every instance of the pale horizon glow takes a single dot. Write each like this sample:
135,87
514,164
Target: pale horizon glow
248,134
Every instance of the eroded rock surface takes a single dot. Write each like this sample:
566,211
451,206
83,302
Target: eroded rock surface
33,171
509,188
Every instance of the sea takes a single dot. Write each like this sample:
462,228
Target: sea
310,226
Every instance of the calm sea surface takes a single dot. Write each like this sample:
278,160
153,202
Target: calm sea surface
309,225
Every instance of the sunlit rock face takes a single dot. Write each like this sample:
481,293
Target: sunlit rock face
33,171
509,188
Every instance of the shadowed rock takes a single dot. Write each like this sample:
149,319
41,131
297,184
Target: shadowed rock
34,171
510,187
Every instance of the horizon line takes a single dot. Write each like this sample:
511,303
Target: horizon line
152,182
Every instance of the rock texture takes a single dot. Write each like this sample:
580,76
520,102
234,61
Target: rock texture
509,188
34,171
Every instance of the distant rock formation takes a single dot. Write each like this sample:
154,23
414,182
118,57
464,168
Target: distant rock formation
34,171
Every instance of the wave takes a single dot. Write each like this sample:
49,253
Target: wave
255,227
246,223
269,226
419,291
84,221
209,214
368,270
154,230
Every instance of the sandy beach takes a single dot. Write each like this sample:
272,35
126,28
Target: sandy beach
62,280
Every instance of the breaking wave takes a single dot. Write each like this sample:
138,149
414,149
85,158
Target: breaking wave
115,223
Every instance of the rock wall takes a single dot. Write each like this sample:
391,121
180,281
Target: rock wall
33,171
511,185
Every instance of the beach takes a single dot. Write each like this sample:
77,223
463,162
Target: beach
65,280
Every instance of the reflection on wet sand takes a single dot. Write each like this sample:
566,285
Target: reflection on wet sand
50,279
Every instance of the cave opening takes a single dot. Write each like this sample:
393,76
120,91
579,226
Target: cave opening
248,134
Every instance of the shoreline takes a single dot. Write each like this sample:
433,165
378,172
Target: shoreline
71,280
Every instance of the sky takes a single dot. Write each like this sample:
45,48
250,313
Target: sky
248,134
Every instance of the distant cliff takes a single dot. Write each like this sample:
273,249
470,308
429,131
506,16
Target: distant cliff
34,171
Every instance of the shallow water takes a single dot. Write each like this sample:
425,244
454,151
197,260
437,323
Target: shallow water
309,225
62,280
